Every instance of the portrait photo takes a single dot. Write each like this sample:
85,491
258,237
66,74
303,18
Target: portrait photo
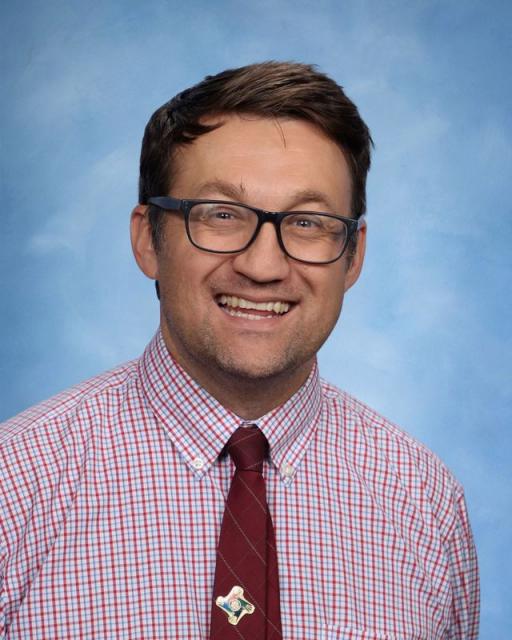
256,320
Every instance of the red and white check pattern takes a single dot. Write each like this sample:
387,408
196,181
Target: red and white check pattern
112,496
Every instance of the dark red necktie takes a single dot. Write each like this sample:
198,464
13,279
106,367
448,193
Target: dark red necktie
246,591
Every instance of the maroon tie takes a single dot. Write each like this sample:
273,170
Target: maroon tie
246,591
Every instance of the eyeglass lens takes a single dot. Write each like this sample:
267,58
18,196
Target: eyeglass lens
313,237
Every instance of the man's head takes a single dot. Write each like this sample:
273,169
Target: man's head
278,137
268,90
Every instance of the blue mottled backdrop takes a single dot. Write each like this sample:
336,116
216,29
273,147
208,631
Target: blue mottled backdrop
425,336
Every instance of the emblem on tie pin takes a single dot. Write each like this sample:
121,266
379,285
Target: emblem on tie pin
235,605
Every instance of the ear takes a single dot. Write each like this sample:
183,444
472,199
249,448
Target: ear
142,243
356,262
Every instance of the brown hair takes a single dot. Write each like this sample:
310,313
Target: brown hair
267,89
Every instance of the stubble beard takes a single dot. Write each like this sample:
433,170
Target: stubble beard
202,352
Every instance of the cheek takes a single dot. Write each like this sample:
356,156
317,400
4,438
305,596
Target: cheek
172,278
330,299
332,304
185,274
326,284
180,286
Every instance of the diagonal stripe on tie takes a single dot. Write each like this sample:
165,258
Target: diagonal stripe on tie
245,603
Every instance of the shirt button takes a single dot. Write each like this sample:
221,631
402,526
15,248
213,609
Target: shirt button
287,470
198,463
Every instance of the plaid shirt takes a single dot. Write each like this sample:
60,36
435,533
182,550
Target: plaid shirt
112,495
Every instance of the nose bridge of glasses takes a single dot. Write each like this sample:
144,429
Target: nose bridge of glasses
274,218
270,216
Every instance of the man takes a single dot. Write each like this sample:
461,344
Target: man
121,510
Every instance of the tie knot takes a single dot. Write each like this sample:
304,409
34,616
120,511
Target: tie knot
248,447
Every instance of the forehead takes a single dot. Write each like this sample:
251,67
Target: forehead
265,159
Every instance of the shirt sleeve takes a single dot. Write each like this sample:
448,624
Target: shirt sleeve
3,603
464,577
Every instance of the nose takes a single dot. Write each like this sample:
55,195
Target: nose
264,260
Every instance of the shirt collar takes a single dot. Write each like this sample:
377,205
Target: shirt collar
199,426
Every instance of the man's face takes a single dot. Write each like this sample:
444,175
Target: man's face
211,304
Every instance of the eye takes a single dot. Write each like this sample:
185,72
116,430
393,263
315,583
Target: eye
222,214
305,222
313,226
217,215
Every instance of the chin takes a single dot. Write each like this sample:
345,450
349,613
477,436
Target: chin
258,368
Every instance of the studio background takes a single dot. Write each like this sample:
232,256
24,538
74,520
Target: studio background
424,337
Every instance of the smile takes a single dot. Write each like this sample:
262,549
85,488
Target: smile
241,308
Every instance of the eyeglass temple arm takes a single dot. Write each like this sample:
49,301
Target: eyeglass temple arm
166,202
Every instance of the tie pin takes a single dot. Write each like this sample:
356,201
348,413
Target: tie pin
235,605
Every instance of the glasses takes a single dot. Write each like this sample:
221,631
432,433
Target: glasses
229,227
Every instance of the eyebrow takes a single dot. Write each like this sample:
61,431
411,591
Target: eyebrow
227,189
239,192
303,196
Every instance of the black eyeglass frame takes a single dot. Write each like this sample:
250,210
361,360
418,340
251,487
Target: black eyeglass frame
168,203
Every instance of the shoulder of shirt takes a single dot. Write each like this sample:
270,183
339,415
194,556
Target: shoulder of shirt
387,435
66,404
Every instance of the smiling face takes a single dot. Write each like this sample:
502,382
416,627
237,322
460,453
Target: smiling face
255,316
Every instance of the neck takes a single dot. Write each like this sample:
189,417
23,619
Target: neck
249,398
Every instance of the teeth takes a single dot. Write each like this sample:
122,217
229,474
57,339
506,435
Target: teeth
241,303
249,316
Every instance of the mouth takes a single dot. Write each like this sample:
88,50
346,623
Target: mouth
250,310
